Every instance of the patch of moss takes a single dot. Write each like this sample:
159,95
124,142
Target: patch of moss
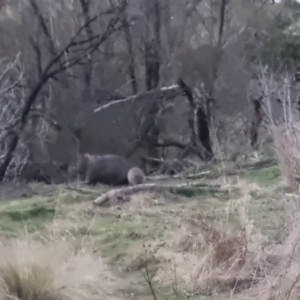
34,212
264,177
34,218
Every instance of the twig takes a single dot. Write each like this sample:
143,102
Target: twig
149,281
292,287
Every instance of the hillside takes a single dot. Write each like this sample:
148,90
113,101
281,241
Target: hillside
185,238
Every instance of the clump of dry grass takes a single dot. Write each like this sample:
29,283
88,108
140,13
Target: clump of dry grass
287,149
221,258
31,270
283,280
211,255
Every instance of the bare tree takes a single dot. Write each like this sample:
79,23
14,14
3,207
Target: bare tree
131,61
78,50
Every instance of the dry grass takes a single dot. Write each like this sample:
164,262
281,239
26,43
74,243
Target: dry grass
50,270
283,282
209,256
287,148
268,270
142,202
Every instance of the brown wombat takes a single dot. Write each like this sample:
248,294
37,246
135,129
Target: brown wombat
135,176
110,169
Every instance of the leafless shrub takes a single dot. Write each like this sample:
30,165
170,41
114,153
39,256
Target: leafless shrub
11,99
283,281
287,148
279,96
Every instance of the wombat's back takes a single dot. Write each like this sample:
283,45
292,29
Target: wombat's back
108,169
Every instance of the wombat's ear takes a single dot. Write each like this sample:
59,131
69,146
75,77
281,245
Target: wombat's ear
88,157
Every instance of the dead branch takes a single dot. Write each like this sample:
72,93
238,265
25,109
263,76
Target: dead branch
258,165
152,159
170,143
149,130
180,176
168,92
150,187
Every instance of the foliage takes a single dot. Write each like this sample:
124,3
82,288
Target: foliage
278,45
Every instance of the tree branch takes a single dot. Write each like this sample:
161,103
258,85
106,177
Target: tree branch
168,92
49,73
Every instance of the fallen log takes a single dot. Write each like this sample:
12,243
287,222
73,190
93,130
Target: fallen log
152,187
179,176
258,165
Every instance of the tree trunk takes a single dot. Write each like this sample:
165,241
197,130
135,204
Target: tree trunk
199,126
257,119
131,64
152,70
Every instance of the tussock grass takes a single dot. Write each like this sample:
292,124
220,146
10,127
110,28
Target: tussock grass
49,270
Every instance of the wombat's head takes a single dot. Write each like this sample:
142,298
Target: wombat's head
88,156
135,176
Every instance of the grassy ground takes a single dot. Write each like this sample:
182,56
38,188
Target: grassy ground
120,234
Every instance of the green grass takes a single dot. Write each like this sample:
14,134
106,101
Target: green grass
264,177
117,235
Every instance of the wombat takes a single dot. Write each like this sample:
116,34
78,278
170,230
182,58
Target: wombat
108,169
135,176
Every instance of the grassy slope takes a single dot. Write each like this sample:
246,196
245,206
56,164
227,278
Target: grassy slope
118,235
